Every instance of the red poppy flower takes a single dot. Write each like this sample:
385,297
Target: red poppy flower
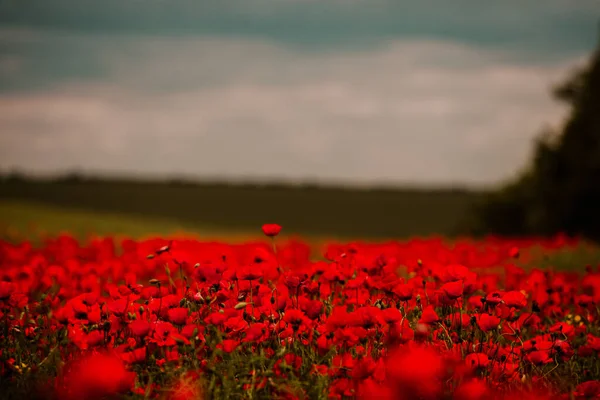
404,291
228,345
429,316
539,357
271,230
136,356
391,315
249,273
178,316
515,299
587,390
294,317
139,328
477,360
487,322
453,290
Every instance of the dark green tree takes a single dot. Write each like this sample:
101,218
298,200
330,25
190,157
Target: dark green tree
560,189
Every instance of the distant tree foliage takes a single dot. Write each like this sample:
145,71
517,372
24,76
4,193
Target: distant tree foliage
560,190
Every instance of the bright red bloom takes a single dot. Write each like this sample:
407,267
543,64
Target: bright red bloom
404,291
255,332
454,272
367,317
429,316
539,357
136,356
515,299
294,317
487,322
228,345
453,290
178,316
391,315
139,328
271,230
493,298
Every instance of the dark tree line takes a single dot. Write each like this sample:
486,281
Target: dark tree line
560,189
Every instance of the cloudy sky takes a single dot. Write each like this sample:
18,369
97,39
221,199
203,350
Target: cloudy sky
354,91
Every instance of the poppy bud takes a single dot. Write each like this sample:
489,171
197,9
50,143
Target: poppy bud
163,249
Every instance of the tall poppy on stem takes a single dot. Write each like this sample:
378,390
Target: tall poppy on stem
272,230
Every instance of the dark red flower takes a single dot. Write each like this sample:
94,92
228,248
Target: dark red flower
363,368
477,360
6,289
587,390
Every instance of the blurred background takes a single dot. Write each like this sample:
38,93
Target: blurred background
354,118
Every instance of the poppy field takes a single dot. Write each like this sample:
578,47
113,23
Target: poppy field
281,319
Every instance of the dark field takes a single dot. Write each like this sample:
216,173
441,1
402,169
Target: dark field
305,210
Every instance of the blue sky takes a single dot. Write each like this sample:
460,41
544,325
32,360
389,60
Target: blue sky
365,92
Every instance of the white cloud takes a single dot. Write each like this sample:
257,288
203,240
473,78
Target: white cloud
411,111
